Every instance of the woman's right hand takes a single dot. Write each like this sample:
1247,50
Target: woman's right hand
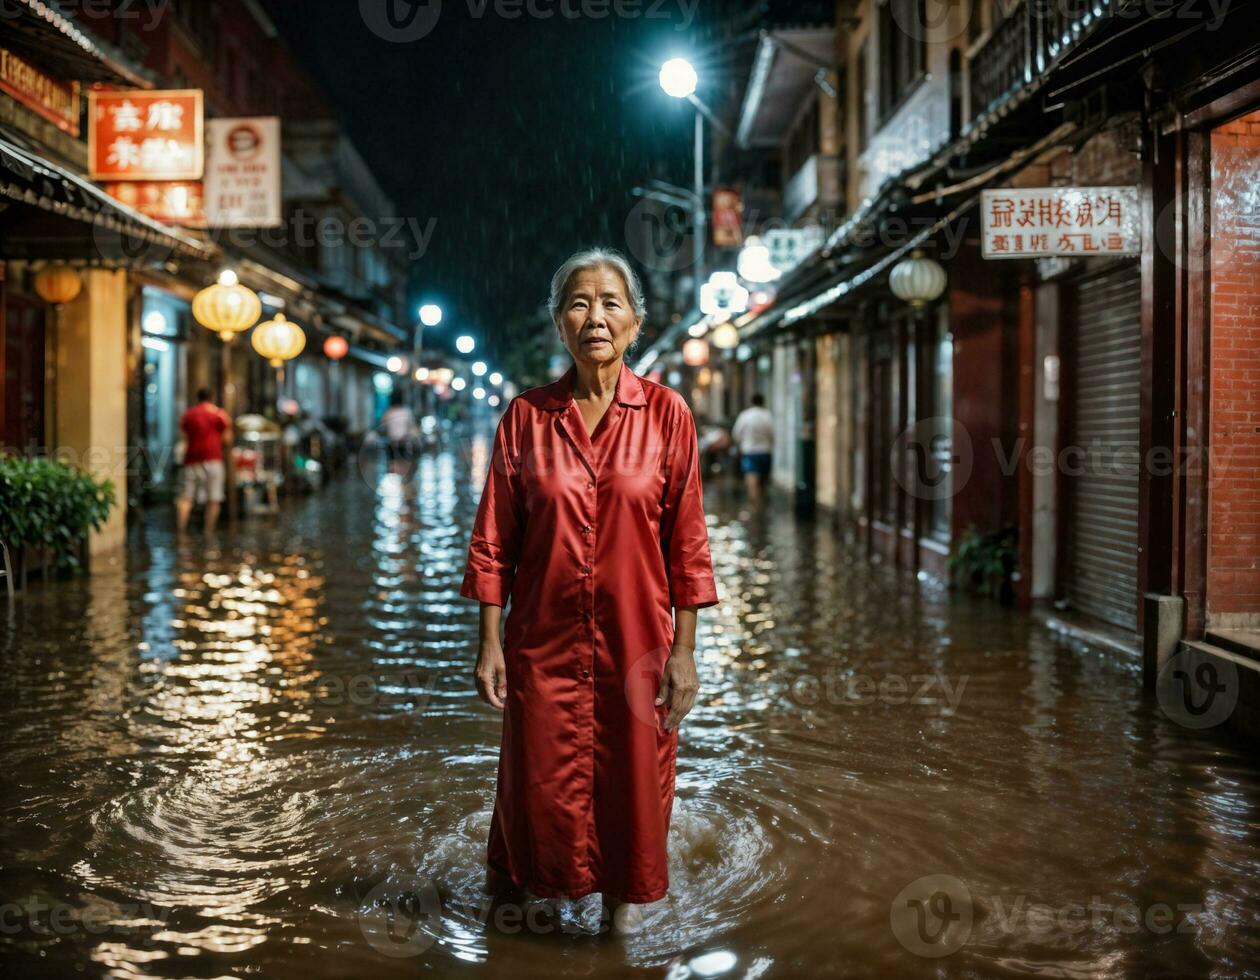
491,674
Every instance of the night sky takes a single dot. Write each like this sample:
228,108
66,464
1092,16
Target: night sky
523,138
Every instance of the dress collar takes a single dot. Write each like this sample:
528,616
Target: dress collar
559,394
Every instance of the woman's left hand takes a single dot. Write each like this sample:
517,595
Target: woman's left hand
679,686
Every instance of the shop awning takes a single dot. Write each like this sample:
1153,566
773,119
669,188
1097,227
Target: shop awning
39,33
788,61
118,233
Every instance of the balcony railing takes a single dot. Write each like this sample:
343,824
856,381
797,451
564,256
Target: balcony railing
1025,45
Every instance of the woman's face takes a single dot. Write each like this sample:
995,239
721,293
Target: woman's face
597,323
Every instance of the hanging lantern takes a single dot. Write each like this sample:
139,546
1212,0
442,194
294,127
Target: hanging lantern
725,336
58,284
695,352
227,307
335,348
917,280
278,340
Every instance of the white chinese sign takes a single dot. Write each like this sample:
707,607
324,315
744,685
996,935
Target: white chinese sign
1036,222
790,246
243,173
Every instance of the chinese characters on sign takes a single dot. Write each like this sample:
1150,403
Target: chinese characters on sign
139,135
243,173
1034,222
55,100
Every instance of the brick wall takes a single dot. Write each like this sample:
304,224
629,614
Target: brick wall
1233,582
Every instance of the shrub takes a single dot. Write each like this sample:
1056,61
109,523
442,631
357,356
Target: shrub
44,503
985,563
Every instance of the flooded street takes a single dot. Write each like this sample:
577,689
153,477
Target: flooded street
246,759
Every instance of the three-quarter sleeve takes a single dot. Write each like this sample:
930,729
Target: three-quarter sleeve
496,536
684,534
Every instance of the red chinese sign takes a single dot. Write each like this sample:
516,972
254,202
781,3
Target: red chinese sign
1034,222
55,100
146,135
177,202
728,217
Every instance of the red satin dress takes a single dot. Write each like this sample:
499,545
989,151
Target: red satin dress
594,540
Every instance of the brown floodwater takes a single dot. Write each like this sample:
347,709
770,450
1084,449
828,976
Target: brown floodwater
265,758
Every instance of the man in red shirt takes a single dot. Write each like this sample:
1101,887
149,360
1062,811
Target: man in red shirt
206,429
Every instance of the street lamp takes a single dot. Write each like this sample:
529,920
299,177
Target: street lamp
479,368
679,80
430,314
465,344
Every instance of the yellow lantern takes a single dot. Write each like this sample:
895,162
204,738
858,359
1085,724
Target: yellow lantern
227,307
58,284
278,340
725,336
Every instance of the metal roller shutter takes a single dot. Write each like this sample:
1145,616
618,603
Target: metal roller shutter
1102,512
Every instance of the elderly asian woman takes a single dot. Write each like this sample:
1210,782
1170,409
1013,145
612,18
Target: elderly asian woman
591,531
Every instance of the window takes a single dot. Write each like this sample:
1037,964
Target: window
902,51
862,120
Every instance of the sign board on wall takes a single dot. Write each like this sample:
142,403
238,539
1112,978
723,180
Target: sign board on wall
55,100
176,202
243,173
789,247
728,218
137,135
1034,222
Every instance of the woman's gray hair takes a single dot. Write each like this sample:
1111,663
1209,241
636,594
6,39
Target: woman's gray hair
595,258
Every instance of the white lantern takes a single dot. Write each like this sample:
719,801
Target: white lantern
917,280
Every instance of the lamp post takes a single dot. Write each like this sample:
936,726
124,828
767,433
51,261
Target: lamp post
279,340
679,80
430,316
227,308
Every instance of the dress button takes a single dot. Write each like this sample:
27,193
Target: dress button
586,569
590,485
585,674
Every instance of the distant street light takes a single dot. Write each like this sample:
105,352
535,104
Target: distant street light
465,344
459,384
395,365
430,314
496,378
678,78
479,368
479,392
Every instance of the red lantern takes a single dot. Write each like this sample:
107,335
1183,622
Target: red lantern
696,352
335,348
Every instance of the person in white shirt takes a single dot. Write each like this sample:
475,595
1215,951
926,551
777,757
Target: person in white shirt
753,433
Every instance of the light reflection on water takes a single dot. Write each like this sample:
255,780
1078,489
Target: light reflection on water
242,757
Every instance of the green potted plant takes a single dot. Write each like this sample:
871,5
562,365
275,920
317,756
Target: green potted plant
50,506
984,564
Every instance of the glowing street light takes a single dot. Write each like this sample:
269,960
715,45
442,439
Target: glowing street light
479,368
465,344
459,384
678,78
479,392
496,378
430,314
395,365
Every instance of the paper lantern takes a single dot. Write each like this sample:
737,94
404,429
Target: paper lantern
58,284
725,336
278,340
227,307
335,348
695,352
918,280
